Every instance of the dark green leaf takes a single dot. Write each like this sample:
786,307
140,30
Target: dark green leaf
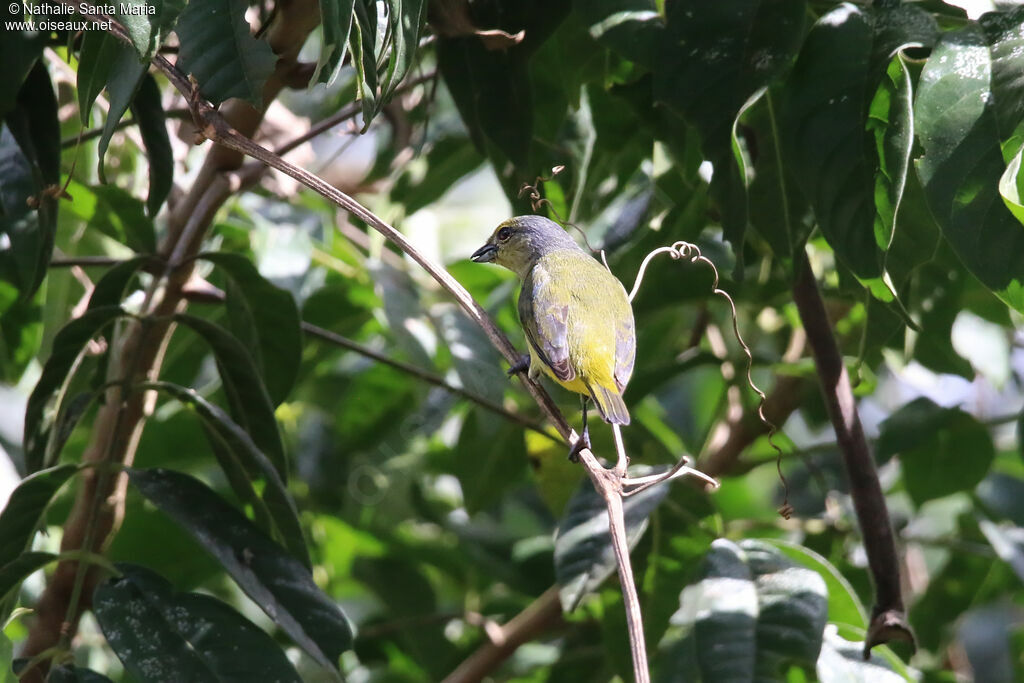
75,674
218,49
250,403
21,332
18,569
162,635
336,22
584,557
149,112
715,57
25,508
115,213
68,347
95,60
844,606
253,463
490,457
752,616
450,159
362,44
942,450
122,82
19,51
255,305
268,574
405,18
965,110
633,28
109,289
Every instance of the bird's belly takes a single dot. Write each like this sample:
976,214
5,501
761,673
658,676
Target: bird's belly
575,384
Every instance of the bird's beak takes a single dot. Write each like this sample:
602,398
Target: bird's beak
485,254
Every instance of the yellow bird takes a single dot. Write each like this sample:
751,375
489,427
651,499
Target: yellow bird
576,315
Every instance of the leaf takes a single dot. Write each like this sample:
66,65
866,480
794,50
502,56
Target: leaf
25,508
124,79
842,660
250,403
95,60
932,443
844,605
336,21
228,434
362,44
109,289
19,51
448,160
405,18
75,674
752,615
273,578
218,49
149,112
584,556
29,163
633,28
715,58
490,457
1008,542
21,332
68,346
966,110
162,635
256,305
115,213
20,568
148,22
828,99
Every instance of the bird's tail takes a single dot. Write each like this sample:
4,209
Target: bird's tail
610,404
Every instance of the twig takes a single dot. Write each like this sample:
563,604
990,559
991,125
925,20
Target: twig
888,618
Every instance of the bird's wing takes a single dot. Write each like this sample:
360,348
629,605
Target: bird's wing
546,323
625,346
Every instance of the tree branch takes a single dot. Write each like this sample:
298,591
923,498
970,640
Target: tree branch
888,618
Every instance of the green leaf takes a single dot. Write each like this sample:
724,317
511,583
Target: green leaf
95,60
251,461
967,111
122,82
753,615
149,112
336,22
714,60
217,48
584,556
266,572
21,332
7,674
75,674
363,44
25,508
250,403
405,19
29,163
633,28
162,635
490,457
148,22
828,99
19,51
17,570
109,289
843,660
68,347
844,605
256,306
448,160
115,213
942,450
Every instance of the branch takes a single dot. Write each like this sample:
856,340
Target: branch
888,618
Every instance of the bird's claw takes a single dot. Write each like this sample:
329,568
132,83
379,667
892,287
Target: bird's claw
521,365
581,443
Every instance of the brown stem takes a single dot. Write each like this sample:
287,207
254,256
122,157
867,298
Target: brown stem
888,619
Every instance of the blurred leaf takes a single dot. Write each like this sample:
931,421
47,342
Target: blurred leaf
714,60
19,51
932,443
842,660
17,570
363,46
584,556
253,462
21,332
148,22
7,674
827,125
217,48
109,289
25,508
336,22
256,308
402,309
67,350
75,674
95,60
1008,542
752,616
405,20
250,403
633,28
490,457
149,112
966,109
162,635
123,80
277,582
844,606
115,213
448,160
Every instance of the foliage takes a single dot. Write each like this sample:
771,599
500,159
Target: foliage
332,476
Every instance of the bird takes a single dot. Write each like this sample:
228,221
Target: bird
576,315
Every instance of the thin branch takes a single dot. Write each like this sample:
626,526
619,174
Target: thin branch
888,618
123,123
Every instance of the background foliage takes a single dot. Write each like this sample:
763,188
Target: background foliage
336,478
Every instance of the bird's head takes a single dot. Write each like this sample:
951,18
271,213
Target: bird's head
517,243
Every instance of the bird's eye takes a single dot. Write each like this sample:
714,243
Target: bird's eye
504,234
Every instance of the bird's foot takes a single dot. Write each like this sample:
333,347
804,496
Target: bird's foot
521,365
581,443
